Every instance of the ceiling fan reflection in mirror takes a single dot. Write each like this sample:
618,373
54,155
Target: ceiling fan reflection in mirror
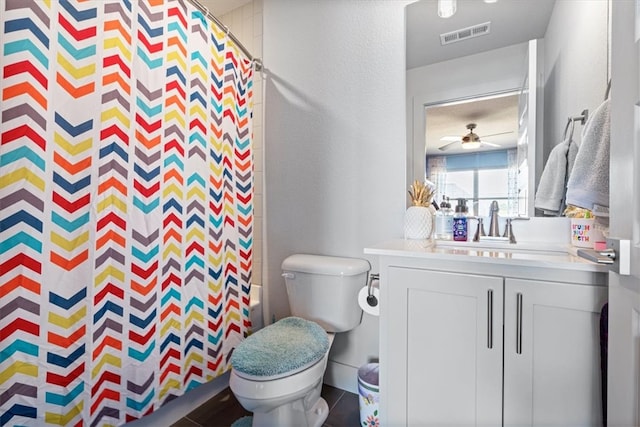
469,141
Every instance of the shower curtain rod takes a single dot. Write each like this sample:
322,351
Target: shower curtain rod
257,62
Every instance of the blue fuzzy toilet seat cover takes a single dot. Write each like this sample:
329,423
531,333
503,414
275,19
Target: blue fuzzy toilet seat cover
288,345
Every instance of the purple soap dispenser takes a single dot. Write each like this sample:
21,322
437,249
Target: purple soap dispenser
460,221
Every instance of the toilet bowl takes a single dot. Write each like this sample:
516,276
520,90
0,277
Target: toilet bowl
289,399
277,372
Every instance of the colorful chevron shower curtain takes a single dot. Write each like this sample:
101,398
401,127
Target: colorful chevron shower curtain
126,207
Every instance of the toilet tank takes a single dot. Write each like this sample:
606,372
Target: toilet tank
325,289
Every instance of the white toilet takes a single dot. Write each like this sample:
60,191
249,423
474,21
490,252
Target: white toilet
277,372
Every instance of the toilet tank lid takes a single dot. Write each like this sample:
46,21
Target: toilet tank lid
328,265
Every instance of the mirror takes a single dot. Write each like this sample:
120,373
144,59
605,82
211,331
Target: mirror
568,33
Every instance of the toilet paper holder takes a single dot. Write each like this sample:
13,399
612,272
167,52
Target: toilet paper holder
371,298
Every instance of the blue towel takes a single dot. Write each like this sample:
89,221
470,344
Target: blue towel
589,181
285,346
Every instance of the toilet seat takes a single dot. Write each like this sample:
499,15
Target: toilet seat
261,389
282,349
250,377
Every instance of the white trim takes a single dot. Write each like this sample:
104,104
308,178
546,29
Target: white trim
341,376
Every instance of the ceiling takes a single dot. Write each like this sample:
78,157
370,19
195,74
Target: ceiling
512,21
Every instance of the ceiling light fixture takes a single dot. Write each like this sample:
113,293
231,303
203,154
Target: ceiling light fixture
491,1
471,145
446,8
471,141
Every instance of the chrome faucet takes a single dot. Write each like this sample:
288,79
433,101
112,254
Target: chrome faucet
508,231
494,230
479,231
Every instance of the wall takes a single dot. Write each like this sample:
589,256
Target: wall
335,132
483,73
576,65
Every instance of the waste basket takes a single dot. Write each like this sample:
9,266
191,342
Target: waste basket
369,395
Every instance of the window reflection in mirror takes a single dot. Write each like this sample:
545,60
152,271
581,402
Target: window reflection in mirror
480,178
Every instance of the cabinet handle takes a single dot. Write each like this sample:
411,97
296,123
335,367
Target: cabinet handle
519,323
490,318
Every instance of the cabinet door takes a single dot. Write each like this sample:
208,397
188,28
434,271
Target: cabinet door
453,327
552,354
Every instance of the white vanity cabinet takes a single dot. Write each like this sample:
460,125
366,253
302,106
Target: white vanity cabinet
453,351
552,353
489,342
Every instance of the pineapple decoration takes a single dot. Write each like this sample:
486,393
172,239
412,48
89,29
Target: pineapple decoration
419,218
421,194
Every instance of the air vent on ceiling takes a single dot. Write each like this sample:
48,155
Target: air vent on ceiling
465,33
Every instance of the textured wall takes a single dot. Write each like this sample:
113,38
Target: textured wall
576,65
335,132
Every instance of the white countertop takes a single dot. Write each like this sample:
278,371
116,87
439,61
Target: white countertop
522,254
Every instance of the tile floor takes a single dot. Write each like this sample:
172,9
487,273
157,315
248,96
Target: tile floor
223,409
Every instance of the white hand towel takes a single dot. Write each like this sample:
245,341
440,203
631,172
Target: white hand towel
589,180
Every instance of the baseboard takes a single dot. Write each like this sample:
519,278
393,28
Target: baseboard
179,408
344,377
